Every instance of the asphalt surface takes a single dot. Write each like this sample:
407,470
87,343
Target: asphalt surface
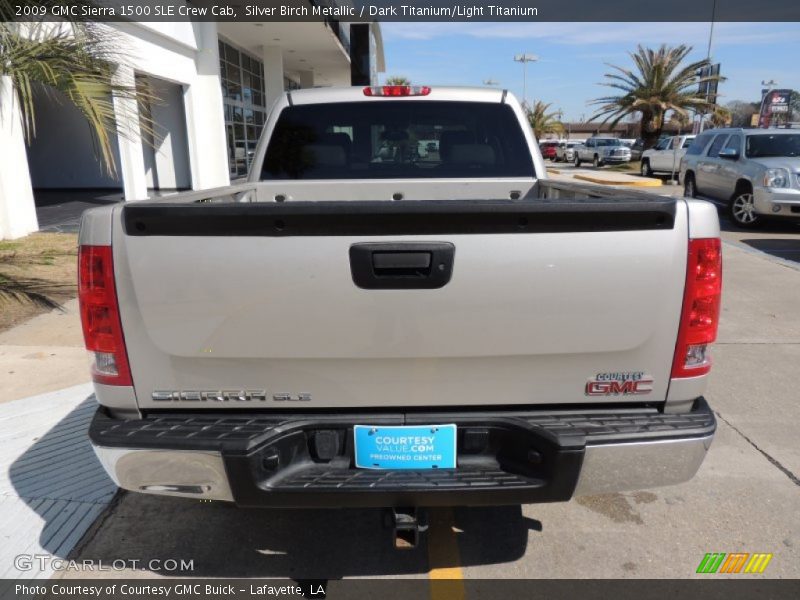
745,498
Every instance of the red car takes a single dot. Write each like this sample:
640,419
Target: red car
548,150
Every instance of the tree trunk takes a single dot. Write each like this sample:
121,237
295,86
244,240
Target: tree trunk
648,134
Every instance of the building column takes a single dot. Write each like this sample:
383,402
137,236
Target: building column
272,57
17,208
360,72
306,79
205,117
129,138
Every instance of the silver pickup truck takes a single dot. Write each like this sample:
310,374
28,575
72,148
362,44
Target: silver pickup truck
349,329
602,151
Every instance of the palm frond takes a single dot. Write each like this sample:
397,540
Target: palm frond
76,62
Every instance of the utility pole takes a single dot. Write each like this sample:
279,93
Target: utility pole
525,59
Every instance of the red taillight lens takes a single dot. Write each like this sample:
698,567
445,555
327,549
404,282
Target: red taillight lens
397,90
701,303
102,330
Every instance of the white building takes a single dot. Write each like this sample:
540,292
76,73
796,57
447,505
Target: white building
216,81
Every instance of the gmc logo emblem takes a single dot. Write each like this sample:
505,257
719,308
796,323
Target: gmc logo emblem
619,388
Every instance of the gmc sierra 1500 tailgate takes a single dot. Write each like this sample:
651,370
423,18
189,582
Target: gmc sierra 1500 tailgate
395,304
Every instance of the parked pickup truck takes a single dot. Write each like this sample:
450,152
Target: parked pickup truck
602,150
665,157
449,330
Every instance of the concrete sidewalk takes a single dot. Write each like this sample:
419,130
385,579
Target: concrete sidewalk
43,354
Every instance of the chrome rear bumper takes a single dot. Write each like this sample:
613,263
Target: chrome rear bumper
606,468
526,458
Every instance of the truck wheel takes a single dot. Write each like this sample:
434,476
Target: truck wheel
596,162
743,210
689,187
577,160
646,170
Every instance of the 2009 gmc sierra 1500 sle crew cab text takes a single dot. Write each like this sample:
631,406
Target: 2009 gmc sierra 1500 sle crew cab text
358,325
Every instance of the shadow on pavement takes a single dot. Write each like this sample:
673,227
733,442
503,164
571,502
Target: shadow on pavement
225,541
59,477
787,249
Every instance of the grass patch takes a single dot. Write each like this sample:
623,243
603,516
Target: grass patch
37,273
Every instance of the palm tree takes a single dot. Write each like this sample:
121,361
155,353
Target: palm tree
73,61
543,122
720,117
397,80
659,83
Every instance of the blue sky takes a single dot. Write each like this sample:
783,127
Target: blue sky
572,55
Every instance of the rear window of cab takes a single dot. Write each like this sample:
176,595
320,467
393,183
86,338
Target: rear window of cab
390,139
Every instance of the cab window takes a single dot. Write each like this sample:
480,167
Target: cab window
699,143
716,146
663,144
735,142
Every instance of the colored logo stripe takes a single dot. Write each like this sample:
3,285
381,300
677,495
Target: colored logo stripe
758,563
734,562
714,562
711,562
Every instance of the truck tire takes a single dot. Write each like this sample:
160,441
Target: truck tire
742,209
646,170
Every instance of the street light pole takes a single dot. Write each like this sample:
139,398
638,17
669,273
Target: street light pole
525,59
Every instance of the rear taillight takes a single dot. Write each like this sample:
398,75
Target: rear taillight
397,90
700,314
102,329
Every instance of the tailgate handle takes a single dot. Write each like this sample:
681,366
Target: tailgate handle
401,265
401,261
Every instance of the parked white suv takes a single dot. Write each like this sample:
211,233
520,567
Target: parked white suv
755,171
666,156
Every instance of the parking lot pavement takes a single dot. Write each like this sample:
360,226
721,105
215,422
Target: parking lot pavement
745,498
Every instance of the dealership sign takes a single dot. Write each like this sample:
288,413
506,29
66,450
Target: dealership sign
775,107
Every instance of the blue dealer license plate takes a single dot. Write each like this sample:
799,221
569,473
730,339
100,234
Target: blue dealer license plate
405,447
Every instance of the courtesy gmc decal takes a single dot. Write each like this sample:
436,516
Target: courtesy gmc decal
632,383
